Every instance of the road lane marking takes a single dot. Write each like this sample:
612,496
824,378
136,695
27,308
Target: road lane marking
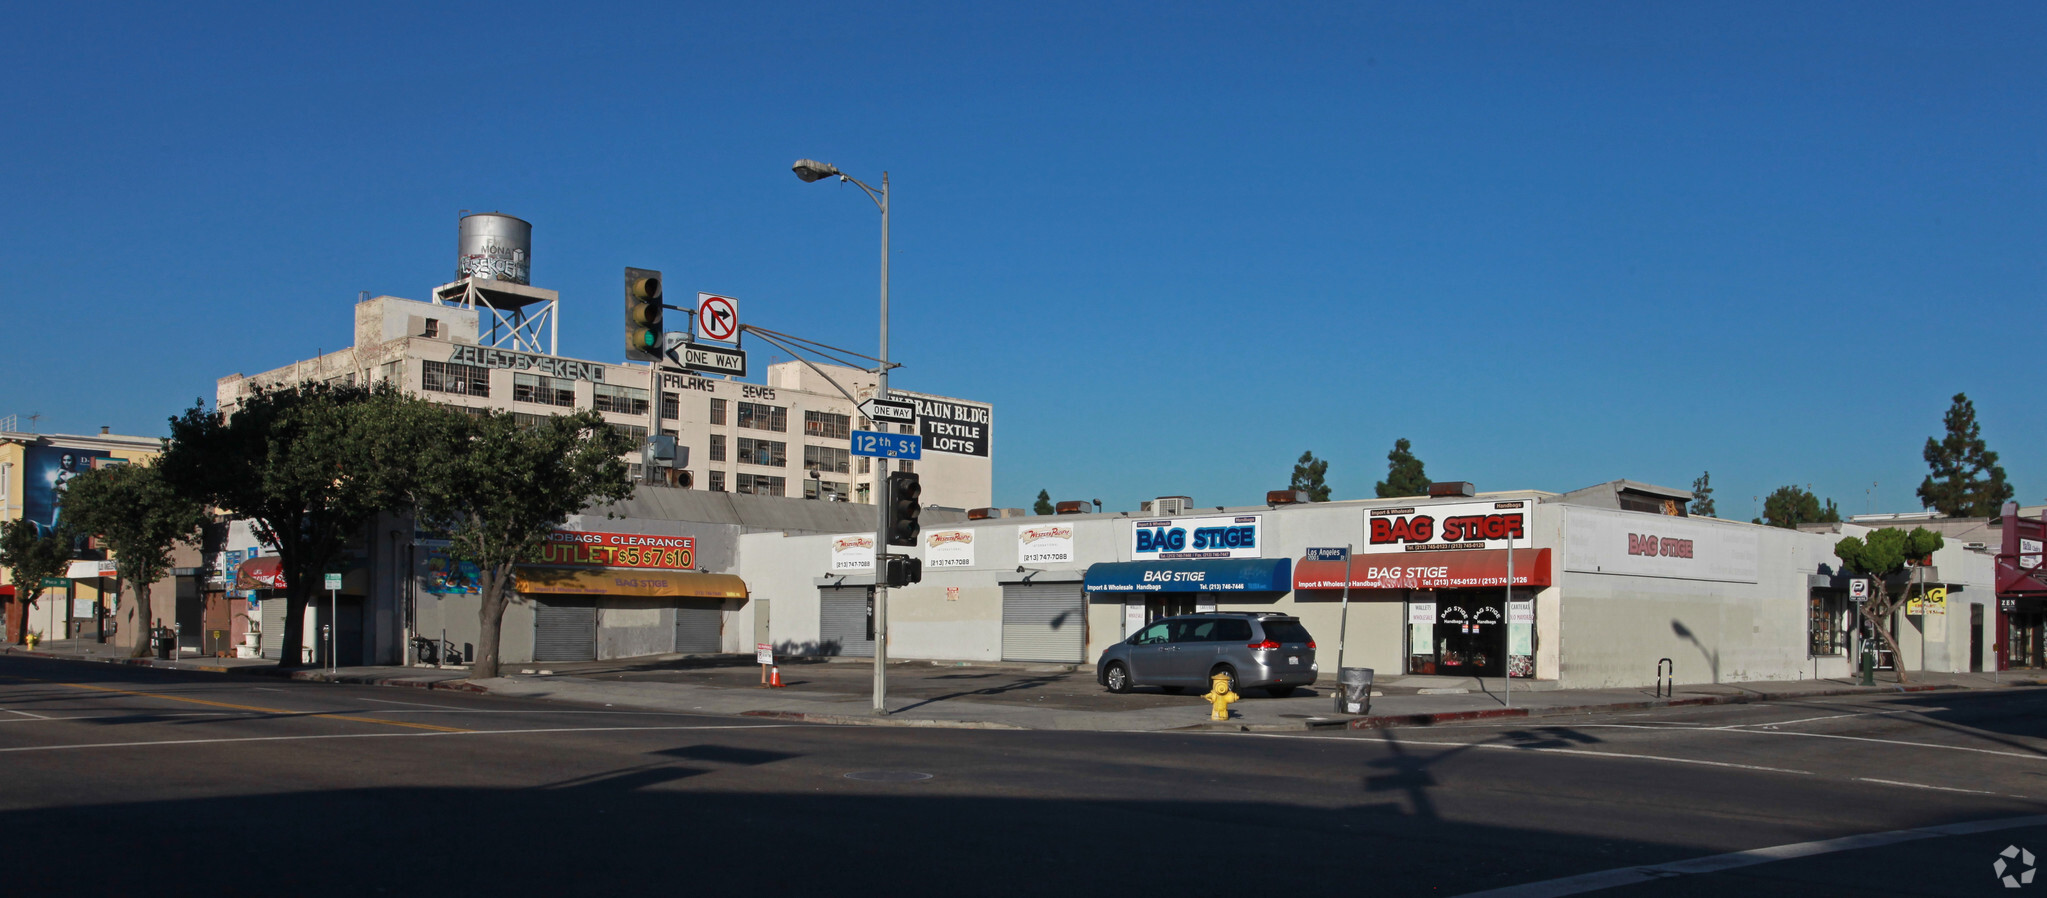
24,714
2030,756
1870,779
444,732
413,704
1626,876
261,710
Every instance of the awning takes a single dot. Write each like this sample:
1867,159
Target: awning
626,582
87,570
261,572
1461,569
1214,575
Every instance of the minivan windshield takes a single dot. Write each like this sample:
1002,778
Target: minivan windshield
1285,631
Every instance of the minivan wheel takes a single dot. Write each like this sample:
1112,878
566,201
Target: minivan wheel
1224,671
1117,678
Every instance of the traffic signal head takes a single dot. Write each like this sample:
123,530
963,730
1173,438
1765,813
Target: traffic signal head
642,314
901,570
903,508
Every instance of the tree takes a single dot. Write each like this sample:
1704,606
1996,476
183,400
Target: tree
1404,475
1966,480
1881,556
1308,477
500,488
1702,496
1791,506
140,518
310,465
1044,503
31,556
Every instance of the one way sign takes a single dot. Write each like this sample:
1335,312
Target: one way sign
717,317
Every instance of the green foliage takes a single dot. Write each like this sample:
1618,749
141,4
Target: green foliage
500,488
310,464
31,556
1702,496
1884,552
1308,473
1966,480
1791,506
140,518
1044,503
1404,475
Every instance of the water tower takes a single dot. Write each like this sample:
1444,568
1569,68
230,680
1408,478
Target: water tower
494,274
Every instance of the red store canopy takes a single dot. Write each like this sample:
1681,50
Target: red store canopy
1465,569
261,572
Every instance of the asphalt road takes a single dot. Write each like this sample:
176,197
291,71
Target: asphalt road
144,782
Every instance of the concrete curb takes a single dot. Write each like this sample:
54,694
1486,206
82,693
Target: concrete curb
1400,720
847,720
305,674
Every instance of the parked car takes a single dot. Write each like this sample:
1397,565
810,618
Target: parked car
1256,650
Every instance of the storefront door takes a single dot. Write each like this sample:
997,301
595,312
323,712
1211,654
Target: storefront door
1168,604
2024,642
1470,634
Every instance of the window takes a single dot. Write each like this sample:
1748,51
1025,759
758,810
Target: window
528,419
1236,630
671,406
1827,622
433,327
1152,635
389,371
471,411
760,484
717,447
717,411
461,380
543,389
905,465
904,428
755,416
717,481
826,424
826,458
866,464
668,431
637,432
763,452
636,473
619,398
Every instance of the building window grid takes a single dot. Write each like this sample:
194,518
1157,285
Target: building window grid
717,411
767,453
448,377
827,425
717,481
827,458
760,484
528,419
906,466
619,398
671,407
717,447
638,432
543,390
470,410
1826,623
758,416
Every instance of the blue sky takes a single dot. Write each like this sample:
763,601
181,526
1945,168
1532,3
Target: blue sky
1175,244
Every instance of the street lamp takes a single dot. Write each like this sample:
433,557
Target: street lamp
811,171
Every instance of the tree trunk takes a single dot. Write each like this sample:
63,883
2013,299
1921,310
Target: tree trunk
293,640
17,617
1877,622
490,619
145,633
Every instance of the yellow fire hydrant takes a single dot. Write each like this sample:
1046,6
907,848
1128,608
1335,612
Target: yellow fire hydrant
1220,695
34,638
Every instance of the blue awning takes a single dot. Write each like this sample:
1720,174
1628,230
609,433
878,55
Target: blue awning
1214,575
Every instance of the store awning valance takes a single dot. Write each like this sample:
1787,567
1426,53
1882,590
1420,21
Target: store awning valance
1426,570
261,572
1214,575
626,582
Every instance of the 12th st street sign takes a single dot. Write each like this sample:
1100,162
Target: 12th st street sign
888,445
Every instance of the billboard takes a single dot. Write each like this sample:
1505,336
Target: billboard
1214,536
1448,526
45,470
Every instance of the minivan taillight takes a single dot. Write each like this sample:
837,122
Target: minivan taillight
1267,645
1311,645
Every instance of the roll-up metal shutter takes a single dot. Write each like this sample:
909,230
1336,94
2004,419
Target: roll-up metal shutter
564,631
1044,622
272,645
842,620
699,626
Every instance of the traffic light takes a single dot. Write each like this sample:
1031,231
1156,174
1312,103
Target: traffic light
902,570
642,314
903,508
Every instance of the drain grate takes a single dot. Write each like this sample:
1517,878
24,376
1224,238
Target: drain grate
888,776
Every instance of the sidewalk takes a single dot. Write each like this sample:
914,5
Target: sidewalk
1020,696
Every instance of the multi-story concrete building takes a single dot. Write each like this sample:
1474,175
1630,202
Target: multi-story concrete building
788,436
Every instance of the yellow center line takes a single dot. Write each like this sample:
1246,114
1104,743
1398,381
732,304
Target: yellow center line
201,701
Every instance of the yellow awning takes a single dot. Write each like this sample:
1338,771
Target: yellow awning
626,582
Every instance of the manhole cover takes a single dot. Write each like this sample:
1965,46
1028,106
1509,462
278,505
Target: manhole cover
888,776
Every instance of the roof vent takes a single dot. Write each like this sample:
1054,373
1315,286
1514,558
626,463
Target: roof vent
1286,497
1165,505
1074,507
1447,488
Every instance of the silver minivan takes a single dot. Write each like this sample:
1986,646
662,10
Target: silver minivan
1256,650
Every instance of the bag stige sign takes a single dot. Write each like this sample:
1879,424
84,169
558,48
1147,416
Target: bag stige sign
1461,525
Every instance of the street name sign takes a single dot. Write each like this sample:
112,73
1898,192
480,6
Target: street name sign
888,445
1335,553
889,410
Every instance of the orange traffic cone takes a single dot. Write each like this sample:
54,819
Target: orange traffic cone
775,677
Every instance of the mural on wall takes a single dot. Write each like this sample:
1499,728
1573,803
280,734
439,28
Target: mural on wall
447,577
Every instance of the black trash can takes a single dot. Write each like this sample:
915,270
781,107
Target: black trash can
166,644
1354,690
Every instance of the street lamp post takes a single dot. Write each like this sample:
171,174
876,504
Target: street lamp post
811,170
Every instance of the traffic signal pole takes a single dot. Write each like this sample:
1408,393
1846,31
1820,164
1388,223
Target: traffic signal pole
881,497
